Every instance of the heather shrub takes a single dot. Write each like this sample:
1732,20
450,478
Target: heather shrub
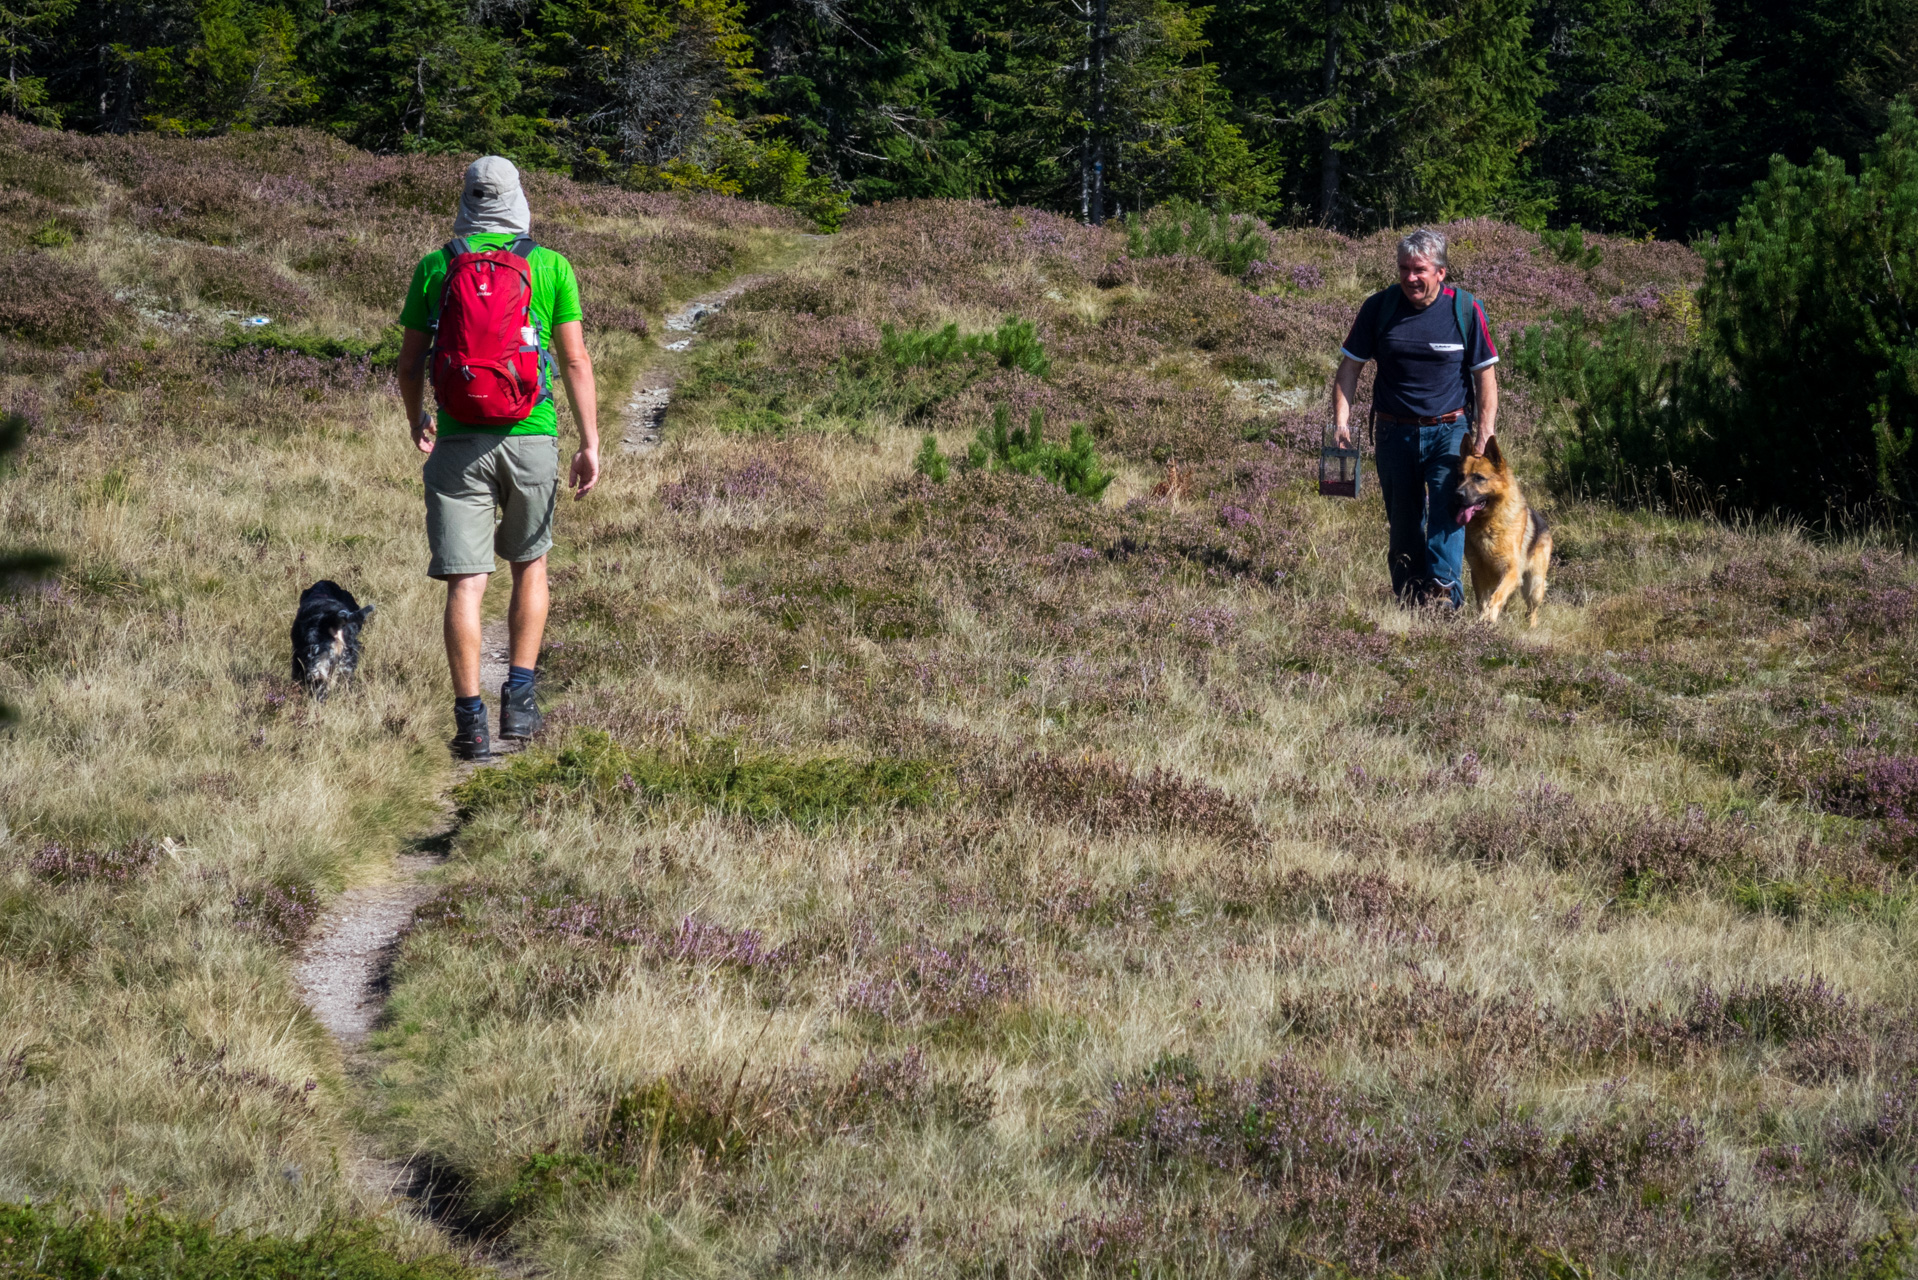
1638,850
1416,1191
66,864
241,281
33,223
48,177
281,912
762,480
1103,797
924,981
372,270
1882,789
56,303
723,774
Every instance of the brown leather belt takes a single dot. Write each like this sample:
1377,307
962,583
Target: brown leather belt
1442,420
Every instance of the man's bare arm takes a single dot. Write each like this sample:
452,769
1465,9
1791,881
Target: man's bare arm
576,371
412,379
1344,387
1486,417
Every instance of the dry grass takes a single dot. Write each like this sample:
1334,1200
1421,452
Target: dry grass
1264,923
965,878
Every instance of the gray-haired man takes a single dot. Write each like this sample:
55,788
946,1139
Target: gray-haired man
1435,382
505,458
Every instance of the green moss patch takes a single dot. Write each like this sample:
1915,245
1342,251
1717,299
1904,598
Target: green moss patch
33,1242
721,773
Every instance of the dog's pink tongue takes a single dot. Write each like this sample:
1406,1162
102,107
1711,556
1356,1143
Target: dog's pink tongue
1466,513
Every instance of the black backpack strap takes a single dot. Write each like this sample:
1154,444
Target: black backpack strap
1462,308
454,248
523,247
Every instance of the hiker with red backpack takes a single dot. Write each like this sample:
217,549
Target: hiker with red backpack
493,319
1435,383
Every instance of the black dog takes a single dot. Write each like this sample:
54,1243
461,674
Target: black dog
326,637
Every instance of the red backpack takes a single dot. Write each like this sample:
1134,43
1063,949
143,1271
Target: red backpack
488,367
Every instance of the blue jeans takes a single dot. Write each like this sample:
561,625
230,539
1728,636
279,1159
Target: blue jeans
1418,478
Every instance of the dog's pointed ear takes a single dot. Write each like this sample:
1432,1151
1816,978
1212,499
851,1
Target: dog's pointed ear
364,613
1492,455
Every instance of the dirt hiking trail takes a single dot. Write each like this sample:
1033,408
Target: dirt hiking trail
643,419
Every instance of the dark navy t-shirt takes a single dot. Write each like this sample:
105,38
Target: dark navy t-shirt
1425,363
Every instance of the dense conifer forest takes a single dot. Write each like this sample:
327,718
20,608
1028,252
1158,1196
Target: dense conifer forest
1626,116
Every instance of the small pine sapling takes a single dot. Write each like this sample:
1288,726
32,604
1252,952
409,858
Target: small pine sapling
931,463
1074,466
1015,344
1569,247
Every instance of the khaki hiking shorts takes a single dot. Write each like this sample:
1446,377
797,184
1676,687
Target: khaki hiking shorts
489,494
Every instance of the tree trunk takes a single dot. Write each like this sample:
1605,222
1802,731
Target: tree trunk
1329,155
1099,113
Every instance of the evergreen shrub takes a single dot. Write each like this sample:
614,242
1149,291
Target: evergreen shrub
1015,344
1569,247
1230,242
381,354
1073,466
1801,394
763,787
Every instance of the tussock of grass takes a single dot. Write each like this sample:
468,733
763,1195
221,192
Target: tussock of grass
763,786
381,354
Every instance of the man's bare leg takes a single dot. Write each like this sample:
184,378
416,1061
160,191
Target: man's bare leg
462,628
526,615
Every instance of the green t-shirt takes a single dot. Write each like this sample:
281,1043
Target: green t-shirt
555,302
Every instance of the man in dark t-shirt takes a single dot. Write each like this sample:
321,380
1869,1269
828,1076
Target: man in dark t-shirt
1435,383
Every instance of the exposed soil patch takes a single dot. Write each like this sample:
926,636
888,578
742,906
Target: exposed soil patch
343,972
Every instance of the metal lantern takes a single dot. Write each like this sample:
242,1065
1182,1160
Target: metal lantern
1339,469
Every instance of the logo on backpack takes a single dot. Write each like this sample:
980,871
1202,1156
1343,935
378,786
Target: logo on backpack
487,364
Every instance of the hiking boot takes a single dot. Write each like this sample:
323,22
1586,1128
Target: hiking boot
519,715
470,741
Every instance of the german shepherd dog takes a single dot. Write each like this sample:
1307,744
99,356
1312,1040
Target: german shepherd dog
1507,544
326,637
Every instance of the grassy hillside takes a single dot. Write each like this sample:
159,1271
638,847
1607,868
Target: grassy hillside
944,878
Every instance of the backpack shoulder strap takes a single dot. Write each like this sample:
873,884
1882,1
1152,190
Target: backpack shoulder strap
1388,307
1462,304
452,249
522,247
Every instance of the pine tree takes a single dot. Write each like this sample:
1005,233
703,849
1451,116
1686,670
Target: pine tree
1810,300
1381,111
1626,75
